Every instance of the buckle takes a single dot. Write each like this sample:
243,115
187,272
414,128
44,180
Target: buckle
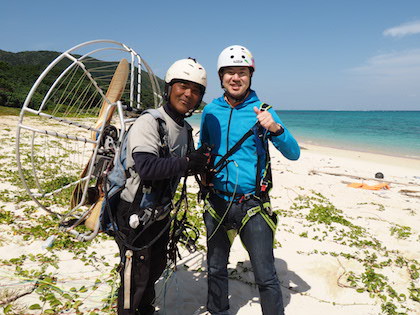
244,197
146,215
164,211
253,211
146,189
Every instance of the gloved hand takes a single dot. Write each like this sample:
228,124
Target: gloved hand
198,159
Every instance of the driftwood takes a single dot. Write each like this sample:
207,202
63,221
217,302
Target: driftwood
315,172
10,299
410,193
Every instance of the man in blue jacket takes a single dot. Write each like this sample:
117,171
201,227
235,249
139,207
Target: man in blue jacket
238,201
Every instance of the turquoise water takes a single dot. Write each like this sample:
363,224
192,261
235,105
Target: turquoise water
394,133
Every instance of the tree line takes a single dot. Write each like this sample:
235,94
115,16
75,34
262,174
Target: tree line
19,71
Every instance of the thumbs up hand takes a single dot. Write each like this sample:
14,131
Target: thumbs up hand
266,120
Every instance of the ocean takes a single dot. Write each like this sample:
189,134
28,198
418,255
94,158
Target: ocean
395,133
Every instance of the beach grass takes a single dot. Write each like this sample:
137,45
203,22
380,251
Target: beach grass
9,111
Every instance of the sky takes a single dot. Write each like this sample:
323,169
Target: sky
309,54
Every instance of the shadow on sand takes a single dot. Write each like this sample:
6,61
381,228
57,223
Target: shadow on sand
186,290
291,283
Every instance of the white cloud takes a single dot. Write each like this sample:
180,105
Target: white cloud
398,63
403,29
391,80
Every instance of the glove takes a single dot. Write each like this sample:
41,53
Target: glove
197,160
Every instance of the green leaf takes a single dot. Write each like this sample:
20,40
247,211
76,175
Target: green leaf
83,289
67,296
7,309
55,303
35,307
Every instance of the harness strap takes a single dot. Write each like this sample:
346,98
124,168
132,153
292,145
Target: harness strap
258,209
262,182
162,129
213,213
266,206
269,221
145,186
231,234
249,133
235,147
127,278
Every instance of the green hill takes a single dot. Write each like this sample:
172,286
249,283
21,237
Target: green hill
28,57
19,71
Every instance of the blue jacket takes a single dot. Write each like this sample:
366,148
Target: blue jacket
222,126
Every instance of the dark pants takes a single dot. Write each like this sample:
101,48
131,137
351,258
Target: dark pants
257,238
147,264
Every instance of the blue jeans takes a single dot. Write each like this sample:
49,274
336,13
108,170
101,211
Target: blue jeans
257,238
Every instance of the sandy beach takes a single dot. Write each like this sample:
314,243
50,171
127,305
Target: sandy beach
339,250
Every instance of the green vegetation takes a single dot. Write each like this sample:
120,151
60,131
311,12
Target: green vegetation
16,81
32,58
6,217
400,232
19,71
364,248
39,271
9,111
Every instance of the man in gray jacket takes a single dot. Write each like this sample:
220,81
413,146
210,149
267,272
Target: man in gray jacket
159,152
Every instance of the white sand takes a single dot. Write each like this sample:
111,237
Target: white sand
313,278
310,261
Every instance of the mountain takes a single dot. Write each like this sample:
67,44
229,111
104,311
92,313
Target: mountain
19,71
28,57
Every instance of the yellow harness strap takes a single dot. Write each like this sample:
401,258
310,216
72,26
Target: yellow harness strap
250,212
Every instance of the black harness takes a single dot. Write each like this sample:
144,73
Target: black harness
263,182
161,206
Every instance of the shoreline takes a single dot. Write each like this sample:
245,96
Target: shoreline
365,136
373,156
362,149
367,156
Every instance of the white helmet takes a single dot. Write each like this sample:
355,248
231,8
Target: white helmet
235,56
188,70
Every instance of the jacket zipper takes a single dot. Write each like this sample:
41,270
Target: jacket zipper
227,147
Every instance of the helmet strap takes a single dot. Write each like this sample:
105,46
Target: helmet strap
188,114
167,92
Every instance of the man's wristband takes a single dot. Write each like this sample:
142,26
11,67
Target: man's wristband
278,132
